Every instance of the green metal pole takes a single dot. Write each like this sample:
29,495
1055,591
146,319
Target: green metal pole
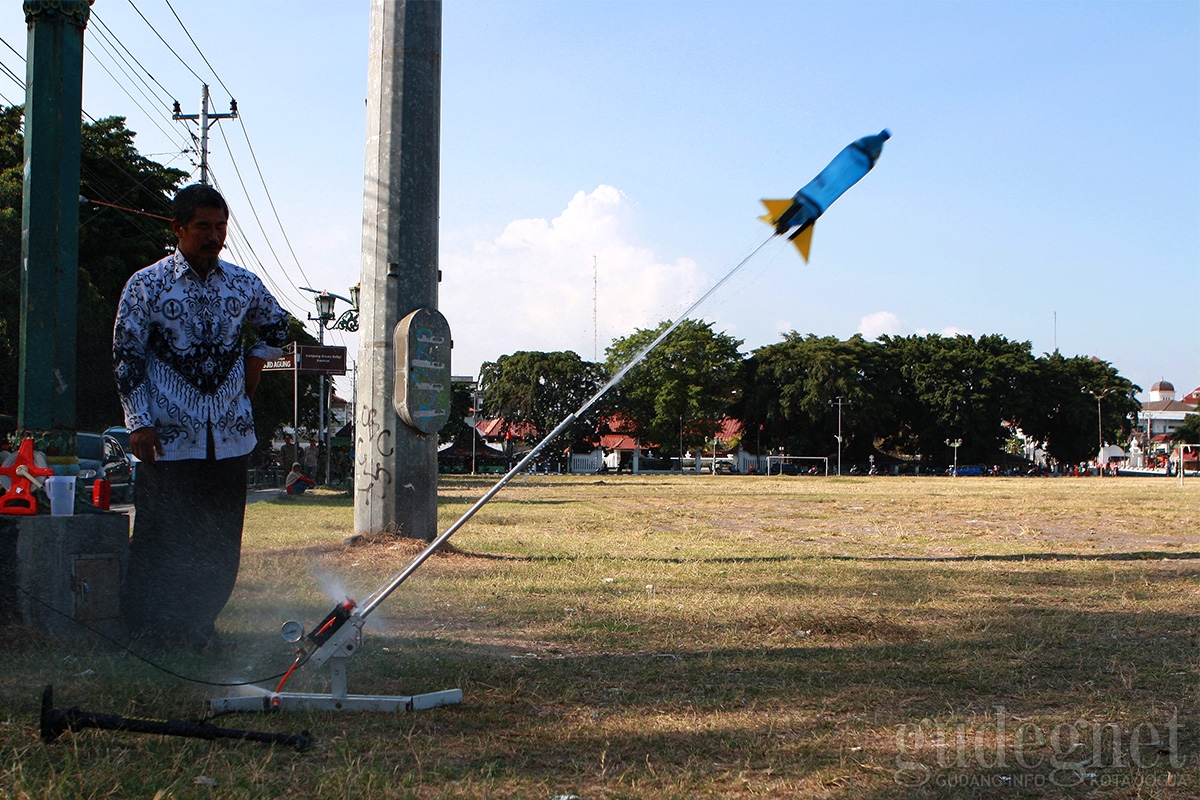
50,222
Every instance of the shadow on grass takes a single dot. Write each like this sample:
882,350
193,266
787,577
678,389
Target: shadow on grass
306,499
467,501
833,706
823,713
1139,555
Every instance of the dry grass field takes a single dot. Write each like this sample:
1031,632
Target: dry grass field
698,636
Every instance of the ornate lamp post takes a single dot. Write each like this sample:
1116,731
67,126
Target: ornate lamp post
325,318
325,301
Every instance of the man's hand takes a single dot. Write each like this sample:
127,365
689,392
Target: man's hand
254,368
145,444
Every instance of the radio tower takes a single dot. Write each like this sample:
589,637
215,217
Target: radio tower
595,308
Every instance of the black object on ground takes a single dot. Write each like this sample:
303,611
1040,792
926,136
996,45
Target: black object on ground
56,721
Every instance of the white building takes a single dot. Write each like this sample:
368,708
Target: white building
1160,416
1162,413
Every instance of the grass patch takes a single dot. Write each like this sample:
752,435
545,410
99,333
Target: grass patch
711,636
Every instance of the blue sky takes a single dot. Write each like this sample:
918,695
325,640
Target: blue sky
1044,165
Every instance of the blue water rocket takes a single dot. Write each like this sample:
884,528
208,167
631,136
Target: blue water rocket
798,213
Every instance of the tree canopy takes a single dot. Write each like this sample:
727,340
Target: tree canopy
906,396
790,390
113,244
683,388
1189,431
1075,402
539,390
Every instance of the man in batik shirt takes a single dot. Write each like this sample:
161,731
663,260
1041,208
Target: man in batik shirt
185,384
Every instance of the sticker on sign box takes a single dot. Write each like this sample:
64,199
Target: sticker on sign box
422,380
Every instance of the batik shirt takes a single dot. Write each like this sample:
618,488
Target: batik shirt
178,357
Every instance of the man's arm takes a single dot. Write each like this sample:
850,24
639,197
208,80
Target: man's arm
131,332
254,369
272,322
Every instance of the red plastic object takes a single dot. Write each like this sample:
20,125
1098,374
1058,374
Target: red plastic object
102,494
19,498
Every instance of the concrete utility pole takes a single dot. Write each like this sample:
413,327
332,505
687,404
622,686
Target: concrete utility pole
50,224
205,120
395,461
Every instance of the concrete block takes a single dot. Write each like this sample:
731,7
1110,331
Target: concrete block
61,573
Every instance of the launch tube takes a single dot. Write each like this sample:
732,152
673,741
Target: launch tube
381,594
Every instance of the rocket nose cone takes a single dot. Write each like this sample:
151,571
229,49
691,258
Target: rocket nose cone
873,145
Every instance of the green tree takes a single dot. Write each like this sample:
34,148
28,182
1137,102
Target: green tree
113,244
462,404
1064,413
959,388
1189,431
539,390
683,388
789,391
278,399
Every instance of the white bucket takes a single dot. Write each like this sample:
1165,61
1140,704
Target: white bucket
61,491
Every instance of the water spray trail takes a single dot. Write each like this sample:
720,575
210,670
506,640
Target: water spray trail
381,594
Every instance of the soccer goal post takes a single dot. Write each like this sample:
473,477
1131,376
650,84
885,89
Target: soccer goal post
776,464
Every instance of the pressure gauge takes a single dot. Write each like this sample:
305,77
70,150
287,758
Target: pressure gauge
292,631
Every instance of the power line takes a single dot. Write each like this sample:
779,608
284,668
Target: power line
166,92
122,169
266,191
99,182
18,53
131,69
254,212
4,68
198,50
7,71
164,41
122,87
12,75
233,160
254,158
237,233
114,49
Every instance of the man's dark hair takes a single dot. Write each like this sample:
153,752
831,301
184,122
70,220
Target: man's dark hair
198,195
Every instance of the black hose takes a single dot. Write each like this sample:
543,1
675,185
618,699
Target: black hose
56,721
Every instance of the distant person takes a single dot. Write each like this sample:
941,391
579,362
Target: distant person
296,483
185,385
289,452
310,460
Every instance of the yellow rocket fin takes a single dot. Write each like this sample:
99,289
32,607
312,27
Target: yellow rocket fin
803,241
775,209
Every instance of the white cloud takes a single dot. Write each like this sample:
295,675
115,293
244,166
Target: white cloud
531,287
875,325
880,323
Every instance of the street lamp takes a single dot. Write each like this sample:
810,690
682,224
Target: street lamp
955,443
839,405
348,321
1099,423
325,318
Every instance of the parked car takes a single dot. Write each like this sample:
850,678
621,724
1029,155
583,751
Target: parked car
121,434
102,456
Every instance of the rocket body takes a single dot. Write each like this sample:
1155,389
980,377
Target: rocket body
846,169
